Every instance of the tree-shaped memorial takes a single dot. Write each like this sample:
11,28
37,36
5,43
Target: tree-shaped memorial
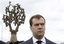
16,15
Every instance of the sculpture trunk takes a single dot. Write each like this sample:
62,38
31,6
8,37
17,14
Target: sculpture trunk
13,33
13,38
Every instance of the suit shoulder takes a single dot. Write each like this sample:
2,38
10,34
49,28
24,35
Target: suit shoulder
28,42
49,41
1,42
52,42
25,42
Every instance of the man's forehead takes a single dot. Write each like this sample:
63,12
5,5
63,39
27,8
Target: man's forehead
41,20
38,18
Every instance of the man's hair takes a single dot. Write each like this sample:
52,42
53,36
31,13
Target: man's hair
38,16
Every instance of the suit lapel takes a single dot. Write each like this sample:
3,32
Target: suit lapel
47,42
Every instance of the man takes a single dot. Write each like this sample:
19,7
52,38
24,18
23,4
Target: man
1,42
37,26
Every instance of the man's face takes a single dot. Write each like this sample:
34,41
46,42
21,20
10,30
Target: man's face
38,27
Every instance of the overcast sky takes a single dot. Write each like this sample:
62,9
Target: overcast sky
52,10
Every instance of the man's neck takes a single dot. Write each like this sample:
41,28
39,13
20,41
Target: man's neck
39,37
35,39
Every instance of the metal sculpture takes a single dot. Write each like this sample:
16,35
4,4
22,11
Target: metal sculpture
16,15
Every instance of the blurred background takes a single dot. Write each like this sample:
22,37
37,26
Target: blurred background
52,10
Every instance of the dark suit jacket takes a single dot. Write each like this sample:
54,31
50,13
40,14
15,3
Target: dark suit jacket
1,42
30,41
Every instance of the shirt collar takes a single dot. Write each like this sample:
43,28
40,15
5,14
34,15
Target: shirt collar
43,39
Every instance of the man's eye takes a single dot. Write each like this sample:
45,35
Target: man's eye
39,24
36,24
42,24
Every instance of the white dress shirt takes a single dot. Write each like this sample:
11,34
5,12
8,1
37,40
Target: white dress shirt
43,40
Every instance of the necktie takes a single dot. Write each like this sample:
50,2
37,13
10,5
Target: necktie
38,42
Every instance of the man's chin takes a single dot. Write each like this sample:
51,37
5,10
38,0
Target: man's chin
40,34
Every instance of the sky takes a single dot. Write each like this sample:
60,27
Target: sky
52,10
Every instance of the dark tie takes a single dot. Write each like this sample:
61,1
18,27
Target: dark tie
38,42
